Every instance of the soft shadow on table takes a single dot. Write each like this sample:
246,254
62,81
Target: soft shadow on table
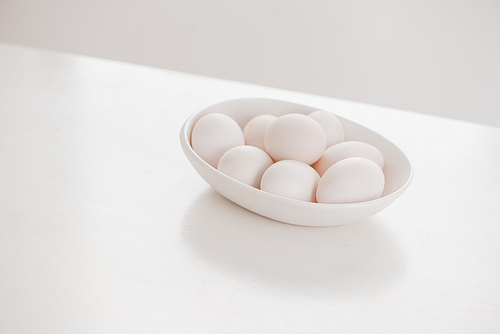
320,262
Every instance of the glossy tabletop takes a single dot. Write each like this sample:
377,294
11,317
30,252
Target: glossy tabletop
106,228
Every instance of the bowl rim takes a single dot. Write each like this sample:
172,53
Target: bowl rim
185,135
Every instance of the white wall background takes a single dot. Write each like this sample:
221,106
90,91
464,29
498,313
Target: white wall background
440,57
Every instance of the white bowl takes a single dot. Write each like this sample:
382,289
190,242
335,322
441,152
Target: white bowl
398,170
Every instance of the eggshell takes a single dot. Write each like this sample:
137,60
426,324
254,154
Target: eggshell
348,149
292,179
331,125
255,130
295,137
213,135
351,180
245,164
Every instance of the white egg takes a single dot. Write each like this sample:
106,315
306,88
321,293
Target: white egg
351,180
245,164
213,135
295,137
255,130
331,124
348,149
292,179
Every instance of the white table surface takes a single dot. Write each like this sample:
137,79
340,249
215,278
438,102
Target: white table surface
106,228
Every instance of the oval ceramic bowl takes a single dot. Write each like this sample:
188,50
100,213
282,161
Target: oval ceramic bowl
398,170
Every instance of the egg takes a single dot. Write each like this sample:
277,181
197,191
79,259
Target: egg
348,149
331,125
245,164
255,130
295,137
213,135
291,179
351,180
